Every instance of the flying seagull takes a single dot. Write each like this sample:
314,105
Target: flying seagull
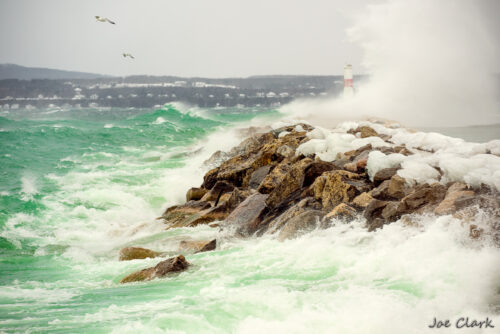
103,19
125,55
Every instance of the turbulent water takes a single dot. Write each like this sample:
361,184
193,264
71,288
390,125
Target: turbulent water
76,186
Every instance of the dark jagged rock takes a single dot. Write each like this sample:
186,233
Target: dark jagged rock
258,176
362,200
275,177
180,215
382,191
374,210
290,183
219,188
195,194
197,246
315,169
172,265
276,220
336,187
300,224
341,211
247,216
210,178
424,195
135,253
455,193
397,187
384,174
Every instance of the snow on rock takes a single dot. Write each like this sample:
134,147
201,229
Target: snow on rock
435,158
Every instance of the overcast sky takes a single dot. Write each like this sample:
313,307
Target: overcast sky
212,38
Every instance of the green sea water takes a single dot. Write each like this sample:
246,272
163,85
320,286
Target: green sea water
76,186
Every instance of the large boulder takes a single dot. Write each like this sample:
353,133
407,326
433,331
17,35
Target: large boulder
210,178
195,194
276,220
181,215
275,177
197,246
366,131
373,213
384,174
300,224
336,187
424,197
134,253
456,192
290,183
258,176
247,216
382,191
341,211
219,188
315,169
362,200
398,188
171,265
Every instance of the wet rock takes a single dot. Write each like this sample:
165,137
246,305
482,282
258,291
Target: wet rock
247,216
315,169
336,187
475,232
382,191
374,211
286,151
219,188
455,192
197,246
181,215
195,194
376,224
172,265
341,211
134,253
258,176
300,224
210,178
290,183
397,187
238,170
276,220
275,177
362,151
384,174
424,195
252,144
366,131
362,200
216,159
393,211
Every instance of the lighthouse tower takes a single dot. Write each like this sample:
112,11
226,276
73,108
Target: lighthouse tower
348,88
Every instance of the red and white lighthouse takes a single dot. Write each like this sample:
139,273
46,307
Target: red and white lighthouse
348,88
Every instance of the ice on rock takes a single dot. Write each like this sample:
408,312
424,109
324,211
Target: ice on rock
418,172
458,160
378,161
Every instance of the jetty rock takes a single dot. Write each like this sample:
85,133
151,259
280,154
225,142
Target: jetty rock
296,178
171,265
135,253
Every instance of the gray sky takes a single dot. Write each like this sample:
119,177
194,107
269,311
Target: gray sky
213,38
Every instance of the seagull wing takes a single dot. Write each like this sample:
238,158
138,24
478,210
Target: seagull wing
110,21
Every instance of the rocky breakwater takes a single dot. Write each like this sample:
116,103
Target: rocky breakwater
297,178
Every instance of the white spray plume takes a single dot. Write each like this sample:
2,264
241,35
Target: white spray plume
431,63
